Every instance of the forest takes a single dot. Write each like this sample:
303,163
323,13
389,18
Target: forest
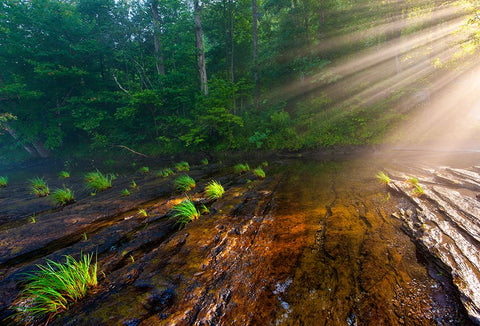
186,76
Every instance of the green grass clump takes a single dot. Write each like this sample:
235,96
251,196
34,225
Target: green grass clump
240,168
133,184
418,190
383,178
55,287
64,175
97,181
264,164
142,212
62,197
165,172
125,192
204,161
185,212
39,187
413,181
182,166
214,190
184,183
3,182
144,169
259,172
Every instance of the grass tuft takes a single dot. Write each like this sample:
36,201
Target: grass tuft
182,166
418,190
125,192
383,177
62,197
214,190
204,161
39,187
142,212
64,175
259,172
185,212
55,287
165,173
3,182
240,168
97,181
184,183
413,181
144,169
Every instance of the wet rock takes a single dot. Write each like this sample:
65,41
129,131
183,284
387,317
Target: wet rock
447,225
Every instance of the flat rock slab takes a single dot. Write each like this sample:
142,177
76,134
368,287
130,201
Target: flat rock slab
445,220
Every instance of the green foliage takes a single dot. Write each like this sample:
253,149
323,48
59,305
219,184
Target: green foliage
413,181
3,182
142,212
144,170
259,172
125,192
55,287
62,197
418,190
214,190
204,161
383,177
184,183
64,175
165,173
185,212
241,168
133,184
264,164
39,187
182,166
97,181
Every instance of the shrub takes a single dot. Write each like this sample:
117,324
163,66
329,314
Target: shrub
383,178
182,166
125,192
214,190
240,168
62,197
64,175
165,173
144,169
3,182
204,161
55,286
184,183
97,181
185,212
259,172
39,187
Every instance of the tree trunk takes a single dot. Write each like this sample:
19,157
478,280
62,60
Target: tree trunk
201,53
396,19
255,52
157,43
232,43
35,150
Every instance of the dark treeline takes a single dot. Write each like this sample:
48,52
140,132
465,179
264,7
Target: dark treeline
173,75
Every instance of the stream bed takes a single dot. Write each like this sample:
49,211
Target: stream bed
313,243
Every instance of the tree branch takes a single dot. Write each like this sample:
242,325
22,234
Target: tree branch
131,150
